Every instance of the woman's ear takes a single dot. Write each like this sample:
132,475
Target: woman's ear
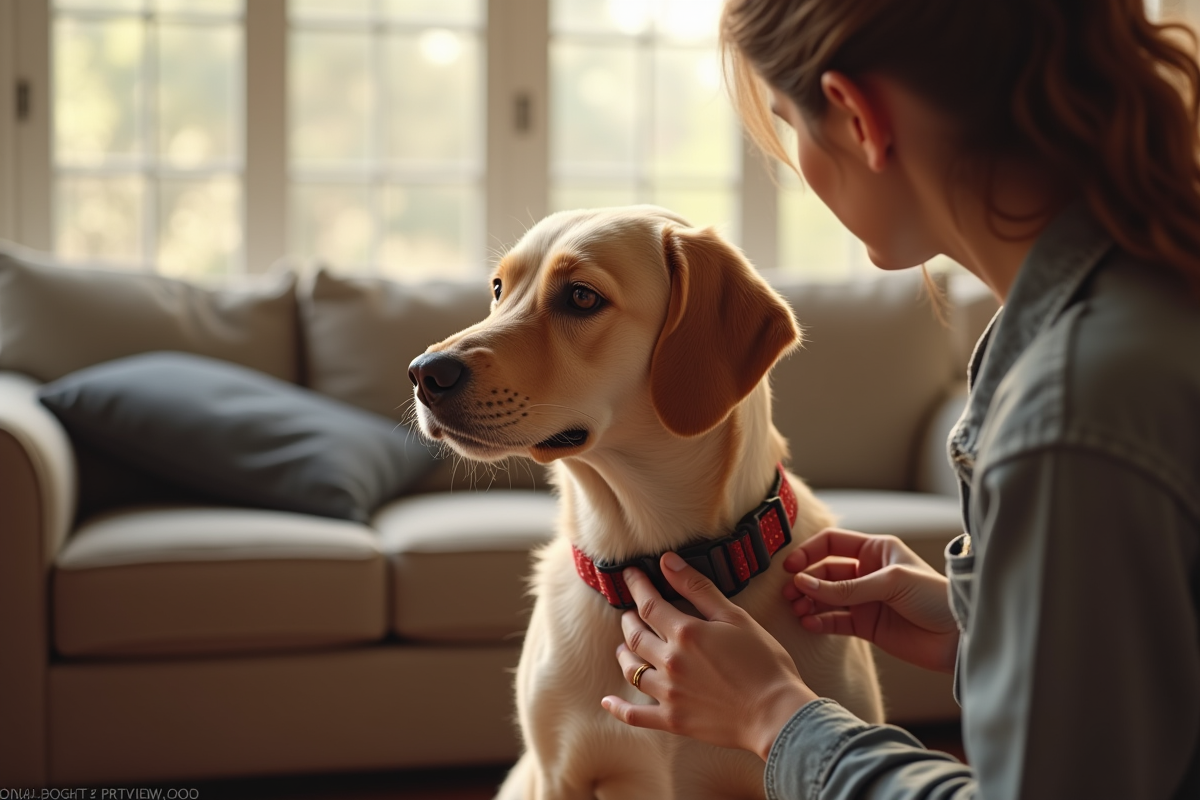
725,328
857,120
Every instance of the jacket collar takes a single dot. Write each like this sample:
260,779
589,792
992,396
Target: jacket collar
1061,259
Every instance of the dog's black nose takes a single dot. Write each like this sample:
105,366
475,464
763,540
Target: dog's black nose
436,375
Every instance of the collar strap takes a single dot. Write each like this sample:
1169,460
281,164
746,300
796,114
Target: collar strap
729,562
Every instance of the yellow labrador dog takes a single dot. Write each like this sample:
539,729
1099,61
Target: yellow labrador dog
631,350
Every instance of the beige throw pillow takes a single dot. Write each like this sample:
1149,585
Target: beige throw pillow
55,319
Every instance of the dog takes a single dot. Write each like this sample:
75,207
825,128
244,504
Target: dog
631,351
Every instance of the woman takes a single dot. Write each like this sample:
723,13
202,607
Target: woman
1050,146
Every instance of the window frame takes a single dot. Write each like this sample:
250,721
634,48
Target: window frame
516,156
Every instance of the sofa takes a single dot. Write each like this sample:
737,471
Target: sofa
151,634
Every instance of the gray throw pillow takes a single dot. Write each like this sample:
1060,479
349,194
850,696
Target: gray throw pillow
238,435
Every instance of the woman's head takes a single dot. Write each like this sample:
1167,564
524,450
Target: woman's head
1089,90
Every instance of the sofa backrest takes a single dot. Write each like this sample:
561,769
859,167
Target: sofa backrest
853,402
362,332
875,363
55,319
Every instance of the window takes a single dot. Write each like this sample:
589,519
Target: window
638,113
147,146
408,138
386,134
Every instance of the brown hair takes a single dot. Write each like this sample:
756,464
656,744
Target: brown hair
1090,88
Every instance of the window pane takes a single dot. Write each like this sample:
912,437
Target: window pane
811,239
688,20
387,137
694,130
433,103
223,8
628,17
101,218
334,223
638,111
428,231
101,5
200,230
311,10
199,99
98,90
593,114
700,206
435,12
565,197
331,99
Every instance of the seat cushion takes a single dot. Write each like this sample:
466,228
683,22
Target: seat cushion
460,560
159,581
251,322
925,522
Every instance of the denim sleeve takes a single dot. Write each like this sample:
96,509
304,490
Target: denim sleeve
826,753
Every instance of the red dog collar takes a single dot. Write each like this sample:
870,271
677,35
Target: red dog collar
729,562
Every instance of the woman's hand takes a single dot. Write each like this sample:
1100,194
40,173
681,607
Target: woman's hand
723,679
876,589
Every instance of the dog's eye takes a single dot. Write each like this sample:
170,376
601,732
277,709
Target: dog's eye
496,287
583,298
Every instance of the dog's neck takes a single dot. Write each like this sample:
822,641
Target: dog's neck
652,491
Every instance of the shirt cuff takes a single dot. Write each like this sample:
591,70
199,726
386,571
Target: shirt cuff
806,749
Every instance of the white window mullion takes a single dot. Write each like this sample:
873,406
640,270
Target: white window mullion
266,170
518,161
759,208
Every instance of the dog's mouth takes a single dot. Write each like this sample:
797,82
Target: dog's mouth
565,440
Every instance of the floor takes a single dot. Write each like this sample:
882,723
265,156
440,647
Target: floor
473,783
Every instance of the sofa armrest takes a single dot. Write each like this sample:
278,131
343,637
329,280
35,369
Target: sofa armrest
41,439
934,474
37,503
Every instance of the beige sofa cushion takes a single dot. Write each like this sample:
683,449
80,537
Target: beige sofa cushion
459,562
172,580
361,333
57,319
875,365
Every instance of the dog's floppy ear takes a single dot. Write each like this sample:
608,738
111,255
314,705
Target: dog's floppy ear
725,328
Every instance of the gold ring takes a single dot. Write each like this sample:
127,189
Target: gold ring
637,676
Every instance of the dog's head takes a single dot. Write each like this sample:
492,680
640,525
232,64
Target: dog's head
623,315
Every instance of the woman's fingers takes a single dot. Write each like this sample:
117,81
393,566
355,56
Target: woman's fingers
640,639
826,543
826,571
876,587
639,716
692,587
630,663
657,613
